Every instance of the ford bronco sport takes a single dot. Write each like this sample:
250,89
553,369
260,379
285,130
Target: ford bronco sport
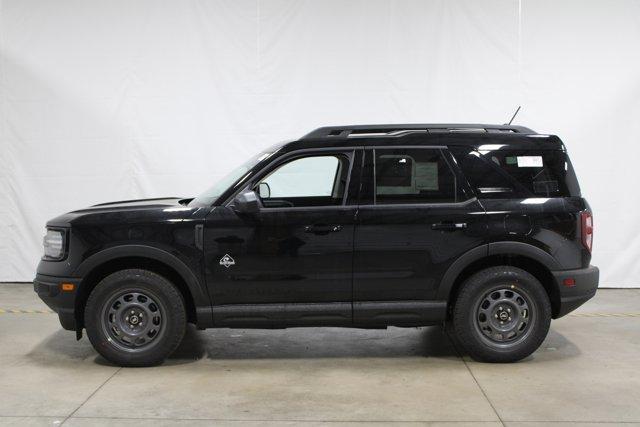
479,226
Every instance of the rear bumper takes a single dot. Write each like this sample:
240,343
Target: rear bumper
49,290
572,297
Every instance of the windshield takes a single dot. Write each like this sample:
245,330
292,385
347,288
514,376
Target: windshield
216,190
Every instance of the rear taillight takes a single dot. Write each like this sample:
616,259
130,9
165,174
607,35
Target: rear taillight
586,220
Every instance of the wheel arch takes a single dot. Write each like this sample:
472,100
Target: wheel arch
108,261
527,257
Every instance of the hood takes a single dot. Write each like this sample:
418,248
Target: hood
166,208
135,204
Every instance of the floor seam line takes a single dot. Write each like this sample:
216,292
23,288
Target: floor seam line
91,395
455,347
97,417
293,420
483,392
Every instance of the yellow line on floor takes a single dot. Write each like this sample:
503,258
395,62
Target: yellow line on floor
605,314
23,311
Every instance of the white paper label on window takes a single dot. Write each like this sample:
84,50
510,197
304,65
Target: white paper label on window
529,161
427,176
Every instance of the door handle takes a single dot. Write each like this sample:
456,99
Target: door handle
322,229
449,226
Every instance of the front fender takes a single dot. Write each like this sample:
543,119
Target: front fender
197,289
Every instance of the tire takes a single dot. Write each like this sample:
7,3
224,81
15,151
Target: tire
501,294
135,318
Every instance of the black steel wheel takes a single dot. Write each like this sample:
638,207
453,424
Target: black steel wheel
135,318
502,314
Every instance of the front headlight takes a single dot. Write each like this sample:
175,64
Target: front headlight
54,244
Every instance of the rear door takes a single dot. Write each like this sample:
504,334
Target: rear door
417,215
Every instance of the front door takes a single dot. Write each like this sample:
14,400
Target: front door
416,217
291,262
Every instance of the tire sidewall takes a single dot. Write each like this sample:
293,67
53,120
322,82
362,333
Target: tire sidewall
464,317
174,317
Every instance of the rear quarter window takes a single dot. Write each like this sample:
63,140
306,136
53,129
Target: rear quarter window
519,173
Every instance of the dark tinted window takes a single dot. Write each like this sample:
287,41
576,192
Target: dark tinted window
486,179
413,176
542,173
518,173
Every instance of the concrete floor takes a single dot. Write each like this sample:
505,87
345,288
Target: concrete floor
586,372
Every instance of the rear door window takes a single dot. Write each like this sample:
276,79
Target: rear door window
413,175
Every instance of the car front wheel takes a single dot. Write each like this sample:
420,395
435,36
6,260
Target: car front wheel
135,317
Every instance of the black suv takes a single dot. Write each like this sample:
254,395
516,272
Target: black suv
479,226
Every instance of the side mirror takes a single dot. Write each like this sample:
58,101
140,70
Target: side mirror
264,190
246,202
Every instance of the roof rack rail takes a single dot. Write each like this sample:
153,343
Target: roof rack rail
369,131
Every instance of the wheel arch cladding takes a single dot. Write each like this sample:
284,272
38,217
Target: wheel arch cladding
476,260
104,263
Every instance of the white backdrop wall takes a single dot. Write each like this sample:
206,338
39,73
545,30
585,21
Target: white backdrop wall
112,100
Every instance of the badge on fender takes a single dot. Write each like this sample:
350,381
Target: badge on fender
227,261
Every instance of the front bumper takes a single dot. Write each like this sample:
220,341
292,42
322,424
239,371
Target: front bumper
572,297
49,289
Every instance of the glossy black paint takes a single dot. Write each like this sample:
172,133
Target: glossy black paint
164,224
402,251
401,255
359,264
278,257
161,230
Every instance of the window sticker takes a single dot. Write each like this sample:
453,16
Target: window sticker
427,176
529,161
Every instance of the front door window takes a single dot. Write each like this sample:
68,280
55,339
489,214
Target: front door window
306,181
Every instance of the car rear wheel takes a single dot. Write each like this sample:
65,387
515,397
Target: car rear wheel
135,318
501,314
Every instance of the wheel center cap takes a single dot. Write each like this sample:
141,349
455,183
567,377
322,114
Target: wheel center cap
134,320
503,316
